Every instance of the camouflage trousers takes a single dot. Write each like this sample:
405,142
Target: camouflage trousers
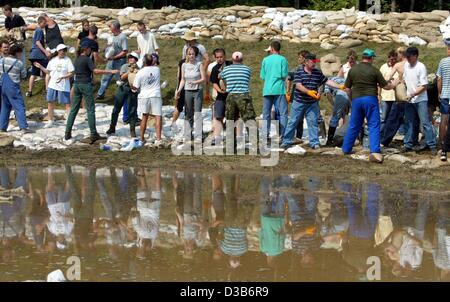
239,105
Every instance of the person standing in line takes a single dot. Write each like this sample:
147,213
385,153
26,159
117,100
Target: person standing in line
84,68
148,82
192,78
84,31
146,41
38,54
352,58
119,44
274,71
12,70
443,84
362,85
415,76
60,69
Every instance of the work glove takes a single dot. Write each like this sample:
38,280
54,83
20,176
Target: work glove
313,94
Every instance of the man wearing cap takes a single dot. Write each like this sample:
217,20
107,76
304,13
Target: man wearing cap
120,45
416,111
274,71
124,95
443,83
307,82
362,85
239,102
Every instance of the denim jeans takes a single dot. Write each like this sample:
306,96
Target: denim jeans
340,109
417,114
106,78
298,111
386,107
193,110
281,111
393,122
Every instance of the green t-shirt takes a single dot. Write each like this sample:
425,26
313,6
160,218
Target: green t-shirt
274,71
271,238
363,79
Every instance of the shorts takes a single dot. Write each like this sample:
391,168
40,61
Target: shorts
239,105
444,107
219,109
36,71
152,106
180,102
63,97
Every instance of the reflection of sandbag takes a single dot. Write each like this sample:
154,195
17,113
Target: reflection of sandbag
400,92
383,230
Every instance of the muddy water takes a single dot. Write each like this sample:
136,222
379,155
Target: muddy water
133,224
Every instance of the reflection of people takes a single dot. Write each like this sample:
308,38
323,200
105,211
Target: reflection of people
441,254
11,214
362,223
61,221
189,209
146,219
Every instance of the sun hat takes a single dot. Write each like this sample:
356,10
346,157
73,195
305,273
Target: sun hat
189,36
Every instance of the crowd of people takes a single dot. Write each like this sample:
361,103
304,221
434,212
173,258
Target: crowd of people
399,88
241,222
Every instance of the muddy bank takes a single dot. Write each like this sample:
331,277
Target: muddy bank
310,164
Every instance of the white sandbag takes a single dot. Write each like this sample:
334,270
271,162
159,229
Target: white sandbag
56,276
296,150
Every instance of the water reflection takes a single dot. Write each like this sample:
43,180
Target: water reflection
138,224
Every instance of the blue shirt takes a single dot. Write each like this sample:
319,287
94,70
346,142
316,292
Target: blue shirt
35,52
444,73
335,91
235,242
237,78
311,81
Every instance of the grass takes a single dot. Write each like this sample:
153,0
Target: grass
170,54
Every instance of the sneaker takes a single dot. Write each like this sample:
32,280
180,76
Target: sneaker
27,130
443,155
316,147
67,136
285,146
376,158
96,137
405,149
158,143
29,94
99,97
49,124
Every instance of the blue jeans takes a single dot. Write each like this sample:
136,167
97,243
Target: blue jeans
281,111
417,114
340,109
298,111
106,78
363,107
386,107
393,122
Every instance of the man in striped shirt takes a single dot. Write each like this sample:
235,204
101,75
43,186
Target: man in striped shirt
307,82
237,80
443,83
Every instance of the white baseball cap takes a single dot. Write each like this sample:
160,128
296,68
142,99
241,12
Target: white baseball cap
61,47
237,56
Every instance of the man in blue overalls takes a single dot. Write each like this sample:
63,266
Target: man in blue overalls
12,70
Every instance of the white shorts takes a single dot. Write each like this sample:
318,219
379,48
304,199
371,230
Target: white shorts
151,106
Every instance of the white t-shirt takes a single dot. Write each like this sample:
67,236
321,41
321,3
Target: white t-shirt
192,73
416,76
147,43
59,223
59,67
148,81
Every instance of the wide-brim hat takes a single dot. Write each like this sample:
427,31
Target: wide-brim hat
189,36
